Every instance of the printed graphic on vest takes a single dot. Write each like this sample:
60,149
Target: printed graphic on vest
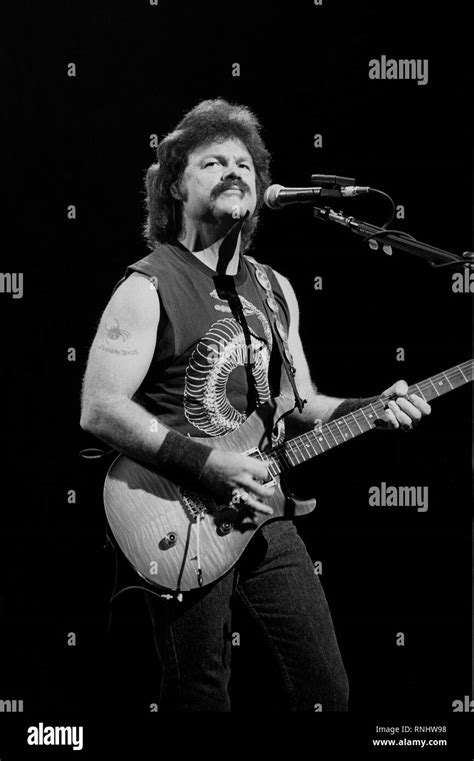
221,350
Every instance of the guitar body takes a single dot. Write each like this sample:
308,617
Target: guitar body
178,539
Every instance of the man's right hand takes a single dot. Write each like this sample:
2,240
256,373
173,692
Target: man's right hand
226,471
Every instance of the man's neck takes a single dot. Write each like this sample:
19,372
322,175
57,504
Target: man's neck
216,256
222,255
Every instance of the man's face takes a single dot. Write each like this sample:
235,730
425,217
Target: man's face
219,183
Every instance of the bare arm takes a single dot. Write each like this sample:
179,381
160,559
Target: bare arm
119,359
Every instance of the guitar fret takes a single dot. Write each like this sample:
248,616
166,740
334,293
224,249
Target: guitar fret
304,446
420,391
297,453
373,414
335,433
328,429
354,418
309,444
318,442
325,439
448,380
430,381
459,368
322,441
438,380
343,421
290,453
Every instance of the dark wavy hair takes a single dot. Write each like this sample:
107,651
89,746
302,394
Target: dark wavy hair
210,120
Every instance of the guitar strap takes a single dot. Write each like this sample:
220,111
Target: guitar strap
279,333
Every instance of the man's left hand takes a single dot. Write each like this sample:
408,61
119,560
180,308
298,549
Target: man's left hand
406,410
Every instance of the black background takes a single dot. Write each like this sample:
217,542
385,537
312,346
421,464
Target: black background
85,141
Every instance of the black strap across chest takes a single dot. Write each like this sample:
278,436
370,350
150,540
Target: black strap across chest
279,333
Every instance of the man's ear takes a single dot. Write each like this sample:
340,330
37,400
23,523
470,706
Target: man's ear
175,191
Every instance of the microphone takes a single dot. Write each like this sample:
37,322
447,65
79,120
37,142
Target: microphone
276,196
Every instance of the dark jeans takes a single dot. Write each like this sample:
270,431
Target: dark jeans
275,583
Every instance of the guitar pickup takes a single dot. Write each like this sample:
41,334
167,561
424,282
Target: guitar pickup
257,454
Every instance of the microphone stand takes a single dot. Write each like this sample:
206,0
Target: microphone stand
376,236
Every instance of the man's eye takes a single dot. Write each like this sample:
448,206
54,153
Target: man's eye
245,166
210,163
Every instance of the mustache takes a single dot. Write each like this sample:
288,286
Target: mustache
221,187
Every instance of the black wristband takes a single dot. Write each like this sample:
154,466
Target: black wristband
349,405
181,459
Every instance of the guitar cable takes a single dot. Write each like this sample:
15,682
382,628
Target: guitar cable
198,550
96,453
114,595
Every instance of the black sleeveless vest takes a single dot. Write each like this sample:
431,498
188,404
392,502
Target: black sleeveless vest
215,360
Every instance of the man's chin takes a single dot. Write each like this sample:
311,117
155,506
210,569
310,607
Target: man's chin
231,211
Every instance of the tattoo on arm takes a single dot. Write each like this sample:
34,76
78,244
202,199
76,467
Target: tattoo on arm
115,334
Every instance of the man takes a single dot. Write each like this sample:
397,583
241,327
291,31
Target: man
185,341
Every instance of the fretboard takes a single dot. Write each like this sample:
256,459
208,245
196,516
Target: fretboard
308,445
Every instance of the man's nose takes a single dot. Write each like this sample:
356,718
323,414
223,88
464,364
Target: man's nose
233,170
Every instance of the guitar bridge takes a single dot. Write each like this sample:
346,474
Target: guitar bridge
193,504
257,455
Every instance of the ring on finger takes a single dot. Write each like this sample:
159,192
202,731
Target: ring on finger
238,496
245,496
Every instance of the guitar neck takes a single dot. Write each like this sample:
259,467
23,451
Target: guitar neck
313,443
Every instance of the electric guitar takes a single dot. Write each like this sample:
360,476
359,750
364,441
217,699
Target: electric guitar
179,539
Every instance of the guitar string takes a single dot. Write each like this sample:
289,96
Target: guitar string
284,451
293,448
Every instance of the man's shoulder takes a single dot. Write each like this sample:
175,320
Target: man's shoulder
281,286
159,251
269,270
145,268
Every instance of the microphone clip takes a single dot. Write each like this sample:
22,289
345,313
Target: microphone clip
332,181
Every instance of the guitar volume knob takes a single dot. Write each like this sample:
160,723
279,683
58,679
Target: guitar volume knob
170,538
224,528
